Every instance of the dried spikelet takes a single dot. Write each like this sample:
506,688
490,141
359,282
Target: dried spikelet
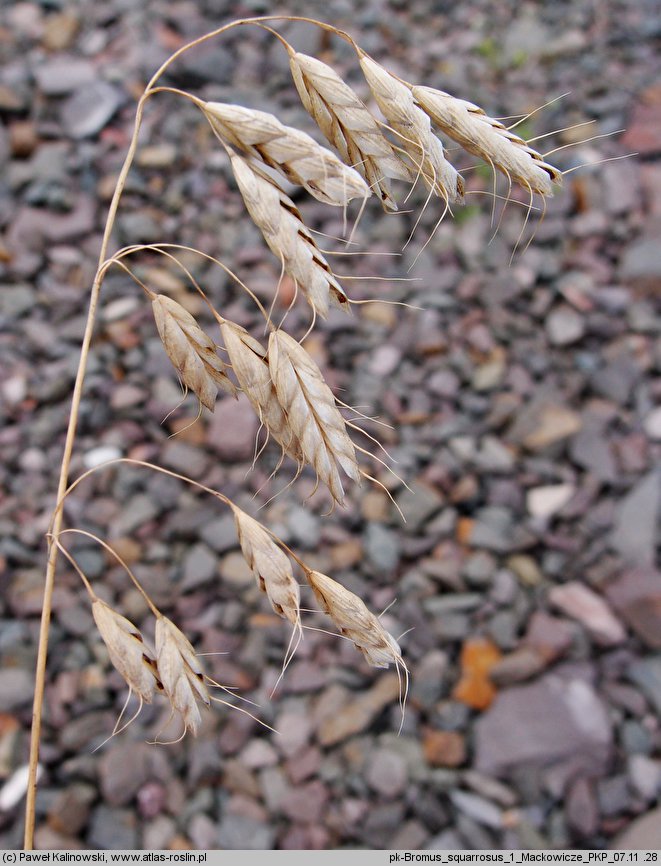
347,124
487,138
276,216
250,365
192,352
312,413
180,673
127,650
270,566
414,129
355,621
291,152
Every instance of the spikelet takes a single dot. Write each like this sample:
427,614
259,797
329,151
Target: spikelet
276,216
250,364
414,129
487,138
127,650
191,350
312,413
347,124
270,566
355,621
180,673
293,153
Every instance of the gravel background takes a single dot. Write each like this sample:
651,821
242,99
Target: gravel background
525,409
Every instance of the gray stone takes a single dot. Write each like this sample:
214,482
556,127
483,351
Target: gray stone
305,527
220,534
386,773
564,326
200,565
232,430
63,75
646,673
645,776
381,547
418,505
114,829
16,689
240,832
555,719
643,834
635,533
88,110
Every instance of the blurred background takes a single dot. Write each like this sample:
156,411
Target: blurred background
524,411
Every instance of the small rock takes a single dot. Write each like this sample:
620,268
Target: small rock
102,454
385,360
235,571
382,547
636,596
635,533
478,809
305,804
549,636
646,673
582,809
386,773
544,423
551,720
645,776
564,326
652,424
583,604
242,833
88,110
200,565
64,75
113,829
517,666
357,715
475,689
643,834
16,689
418,505
232,430
444,748
259,753
547,501
305,527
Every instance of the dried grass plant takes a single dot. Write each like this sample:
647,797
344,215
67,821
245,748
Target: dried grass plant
284,385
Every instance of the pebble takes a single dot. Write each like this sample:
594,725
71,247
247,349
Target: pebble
646,673
89,108
583,604
113,829
232,430
556,719
564,326
381,547
242,833
546,501
16,689
634,535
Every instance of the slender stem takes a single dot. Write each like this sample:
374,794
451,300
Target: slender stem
49,582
